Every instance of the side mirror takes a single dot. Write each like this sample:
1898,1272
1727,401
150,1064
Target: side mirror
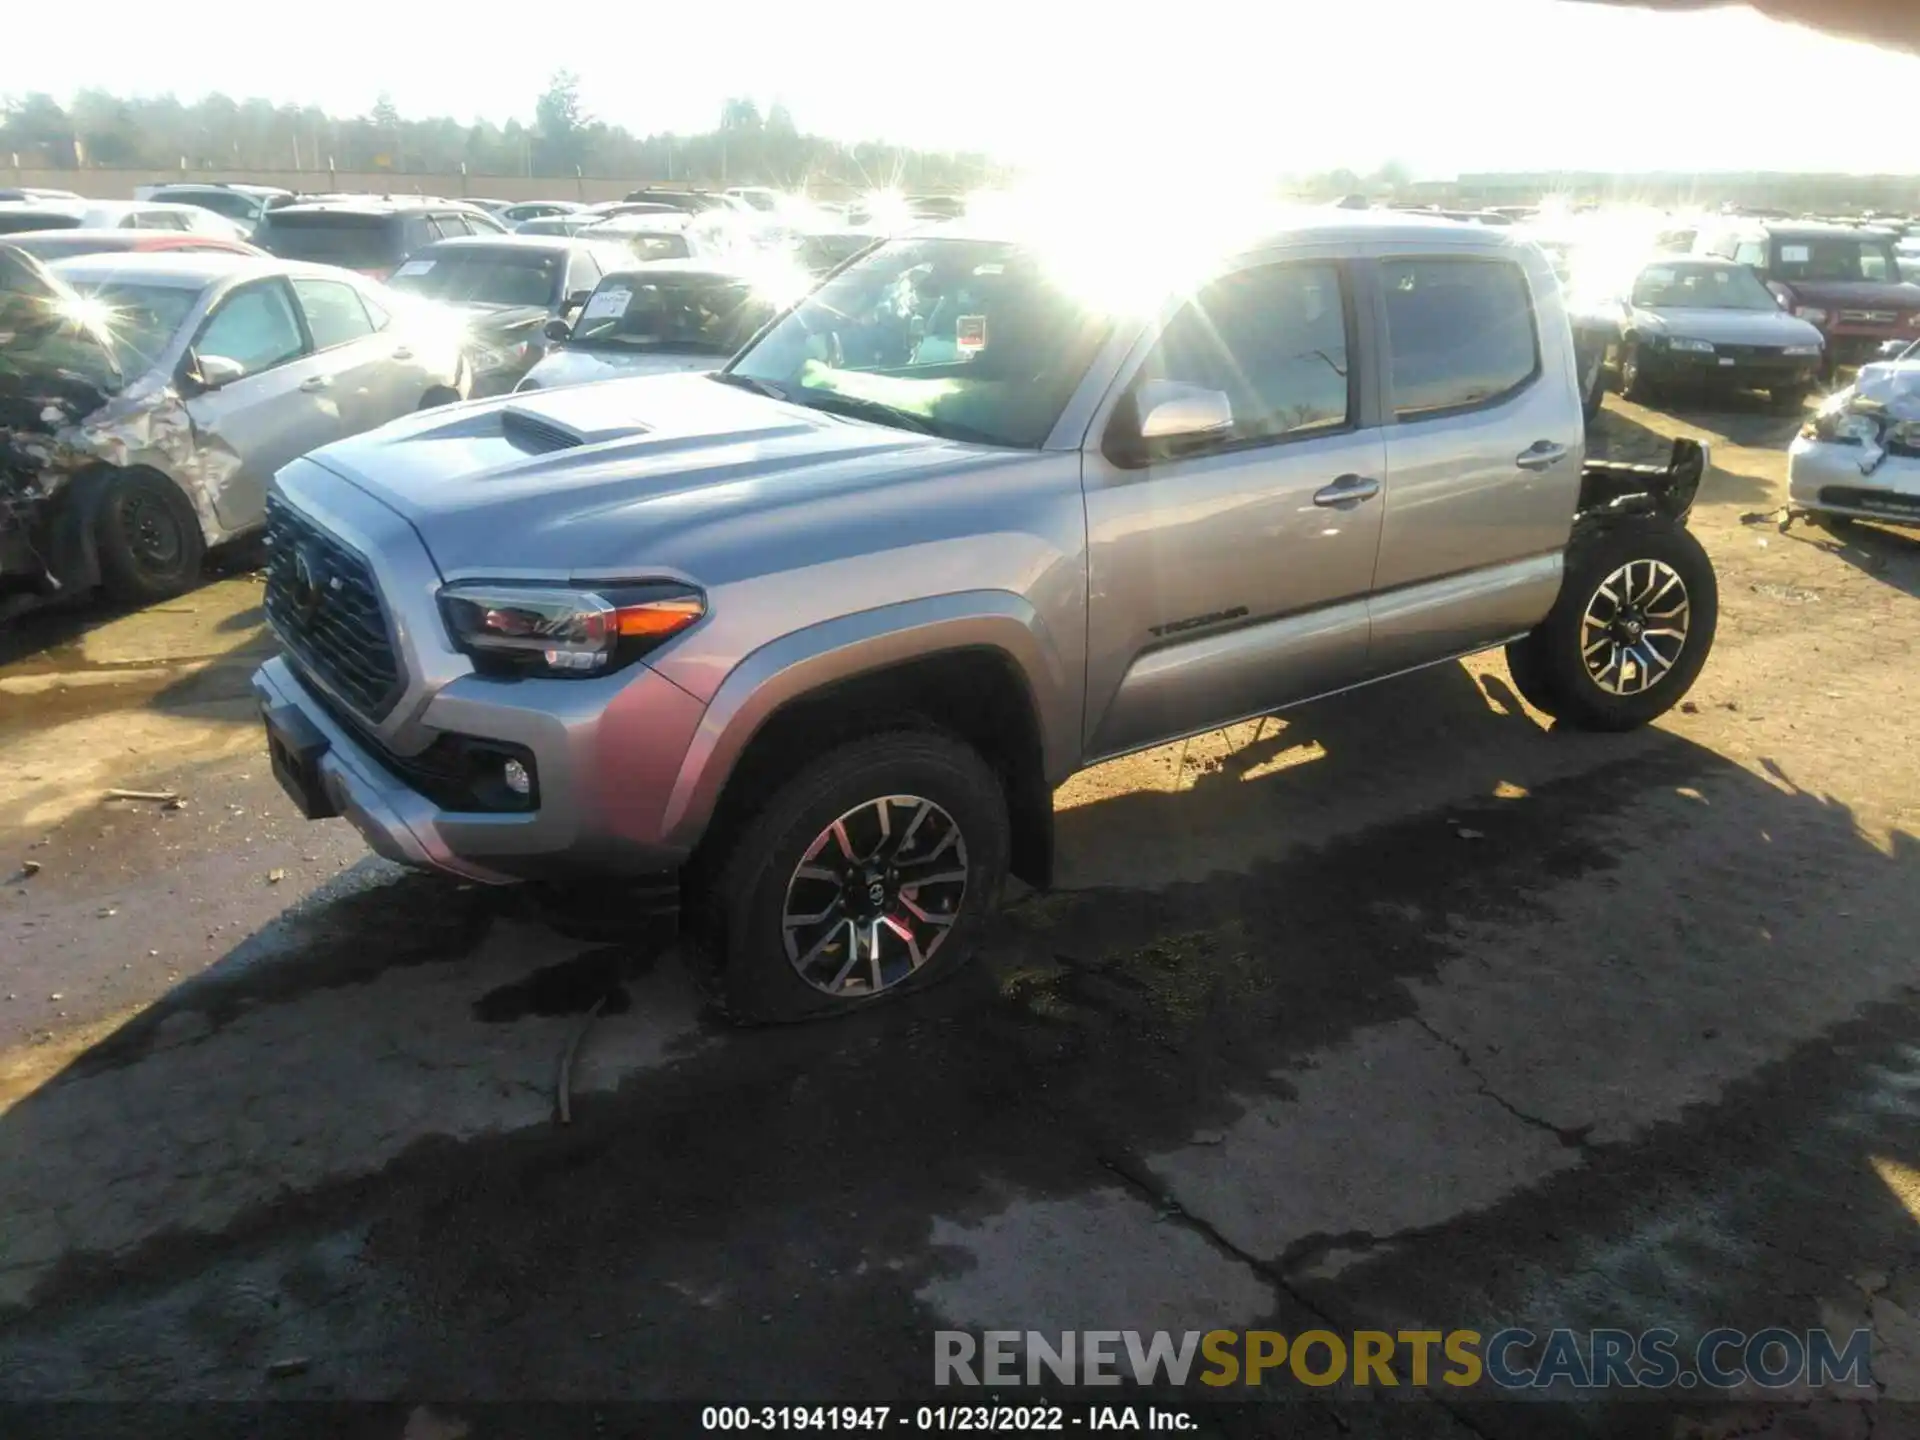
210,372
1165,417
1171,411
557,329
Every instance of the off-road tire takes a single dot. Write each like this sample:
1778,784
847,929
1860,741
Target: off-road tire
738,951
1547,664
148,538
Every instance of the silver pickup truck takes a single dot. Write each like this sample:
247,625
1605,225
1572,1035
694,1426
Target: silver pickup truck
819,634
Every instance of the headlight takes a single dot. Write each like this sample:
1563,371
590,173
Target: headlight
486,361
1812,314
1841,426
1695,347
1801,350
555,630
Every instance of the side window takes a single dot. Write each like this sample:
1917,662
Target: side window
451,224
1460,332
334,313
163,220
1751,252
1274,339
254,326
584,275
376,314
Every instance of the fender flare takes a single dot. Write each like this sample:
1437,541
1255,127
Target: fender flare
807,661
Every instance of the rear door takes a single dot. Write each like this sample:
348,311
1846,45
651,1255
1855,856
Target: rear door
1231,578
368,385
282,406
1483,450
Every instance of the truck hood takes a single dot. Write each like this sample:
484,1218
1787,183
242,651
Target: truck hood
1730,327
599,481
1857,294
570,365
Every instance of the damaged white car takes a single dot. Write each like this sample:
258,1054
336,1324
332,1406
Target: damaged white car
147,399
1859,457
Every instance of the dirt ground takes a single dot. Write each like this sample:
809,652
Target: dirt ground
1402,1012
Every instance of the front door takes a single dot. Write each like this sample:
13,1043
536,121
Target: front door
1232,579
280,406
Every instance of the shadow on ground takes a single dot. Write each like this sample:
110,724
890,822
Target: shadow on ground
1625,1033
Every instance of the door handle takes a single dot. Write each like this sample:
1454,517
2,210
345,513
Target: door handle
318,382
1541,455
403,353
1347,490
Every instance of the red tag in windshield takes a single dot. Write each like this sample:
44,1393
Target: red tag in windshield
970,332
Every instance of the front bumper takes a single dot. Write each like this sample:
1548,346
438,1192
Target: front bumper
1825,476
1760,372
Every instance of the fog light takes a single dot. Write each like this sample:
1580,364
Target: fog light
517,778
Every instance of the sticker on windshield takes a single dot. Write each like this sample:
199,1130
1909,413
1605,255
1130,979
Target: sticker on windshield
970,333
1795,254
413,267
611,300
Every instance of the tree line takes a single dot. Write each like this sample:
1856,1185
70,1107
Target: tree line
561,141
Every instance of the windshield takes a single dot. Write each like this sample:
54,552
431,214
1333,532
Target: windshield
231,204
968,338
133,322
705,315
1702,287
482,276
18,221
358,242
645,244
1840,257
139,320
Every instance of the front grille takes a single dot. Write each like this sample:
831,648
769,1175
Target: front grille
1748,352
325,609
1870,317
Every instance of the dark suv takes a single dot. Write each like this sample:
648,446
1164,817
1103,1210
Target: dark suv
372,236
1843,279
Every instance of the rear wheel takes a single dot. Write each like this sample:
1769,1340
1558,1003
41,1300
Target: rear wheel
149,539
867,875
1593,383
1629,633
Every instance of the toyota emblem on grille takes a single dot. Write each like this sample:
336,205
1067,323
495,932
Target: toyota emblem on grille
309,582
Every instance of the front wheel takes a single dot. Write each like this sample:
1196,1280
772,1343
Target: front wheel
1634,384
867,875
1629,633
149,539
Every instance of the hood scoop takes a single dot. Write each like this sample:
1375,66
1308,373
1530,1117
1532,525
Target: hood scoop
539,431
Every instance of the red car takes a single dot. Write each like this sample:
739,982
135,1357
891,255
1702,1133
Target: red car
50,245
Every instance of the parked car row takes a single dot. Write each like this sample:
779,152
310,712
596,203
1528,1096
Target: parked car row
152,380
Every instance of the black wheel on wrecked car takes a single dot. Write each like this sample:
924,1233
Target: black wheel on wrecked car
1635,618
867,875
148,537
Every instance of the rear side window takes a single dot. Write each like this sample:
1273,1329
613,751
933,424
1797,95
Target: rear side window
450,225
1274,339
1460,331
354,242
157,220
334,313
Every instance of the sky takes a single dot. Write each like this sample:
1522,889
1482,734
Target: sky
1193,89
